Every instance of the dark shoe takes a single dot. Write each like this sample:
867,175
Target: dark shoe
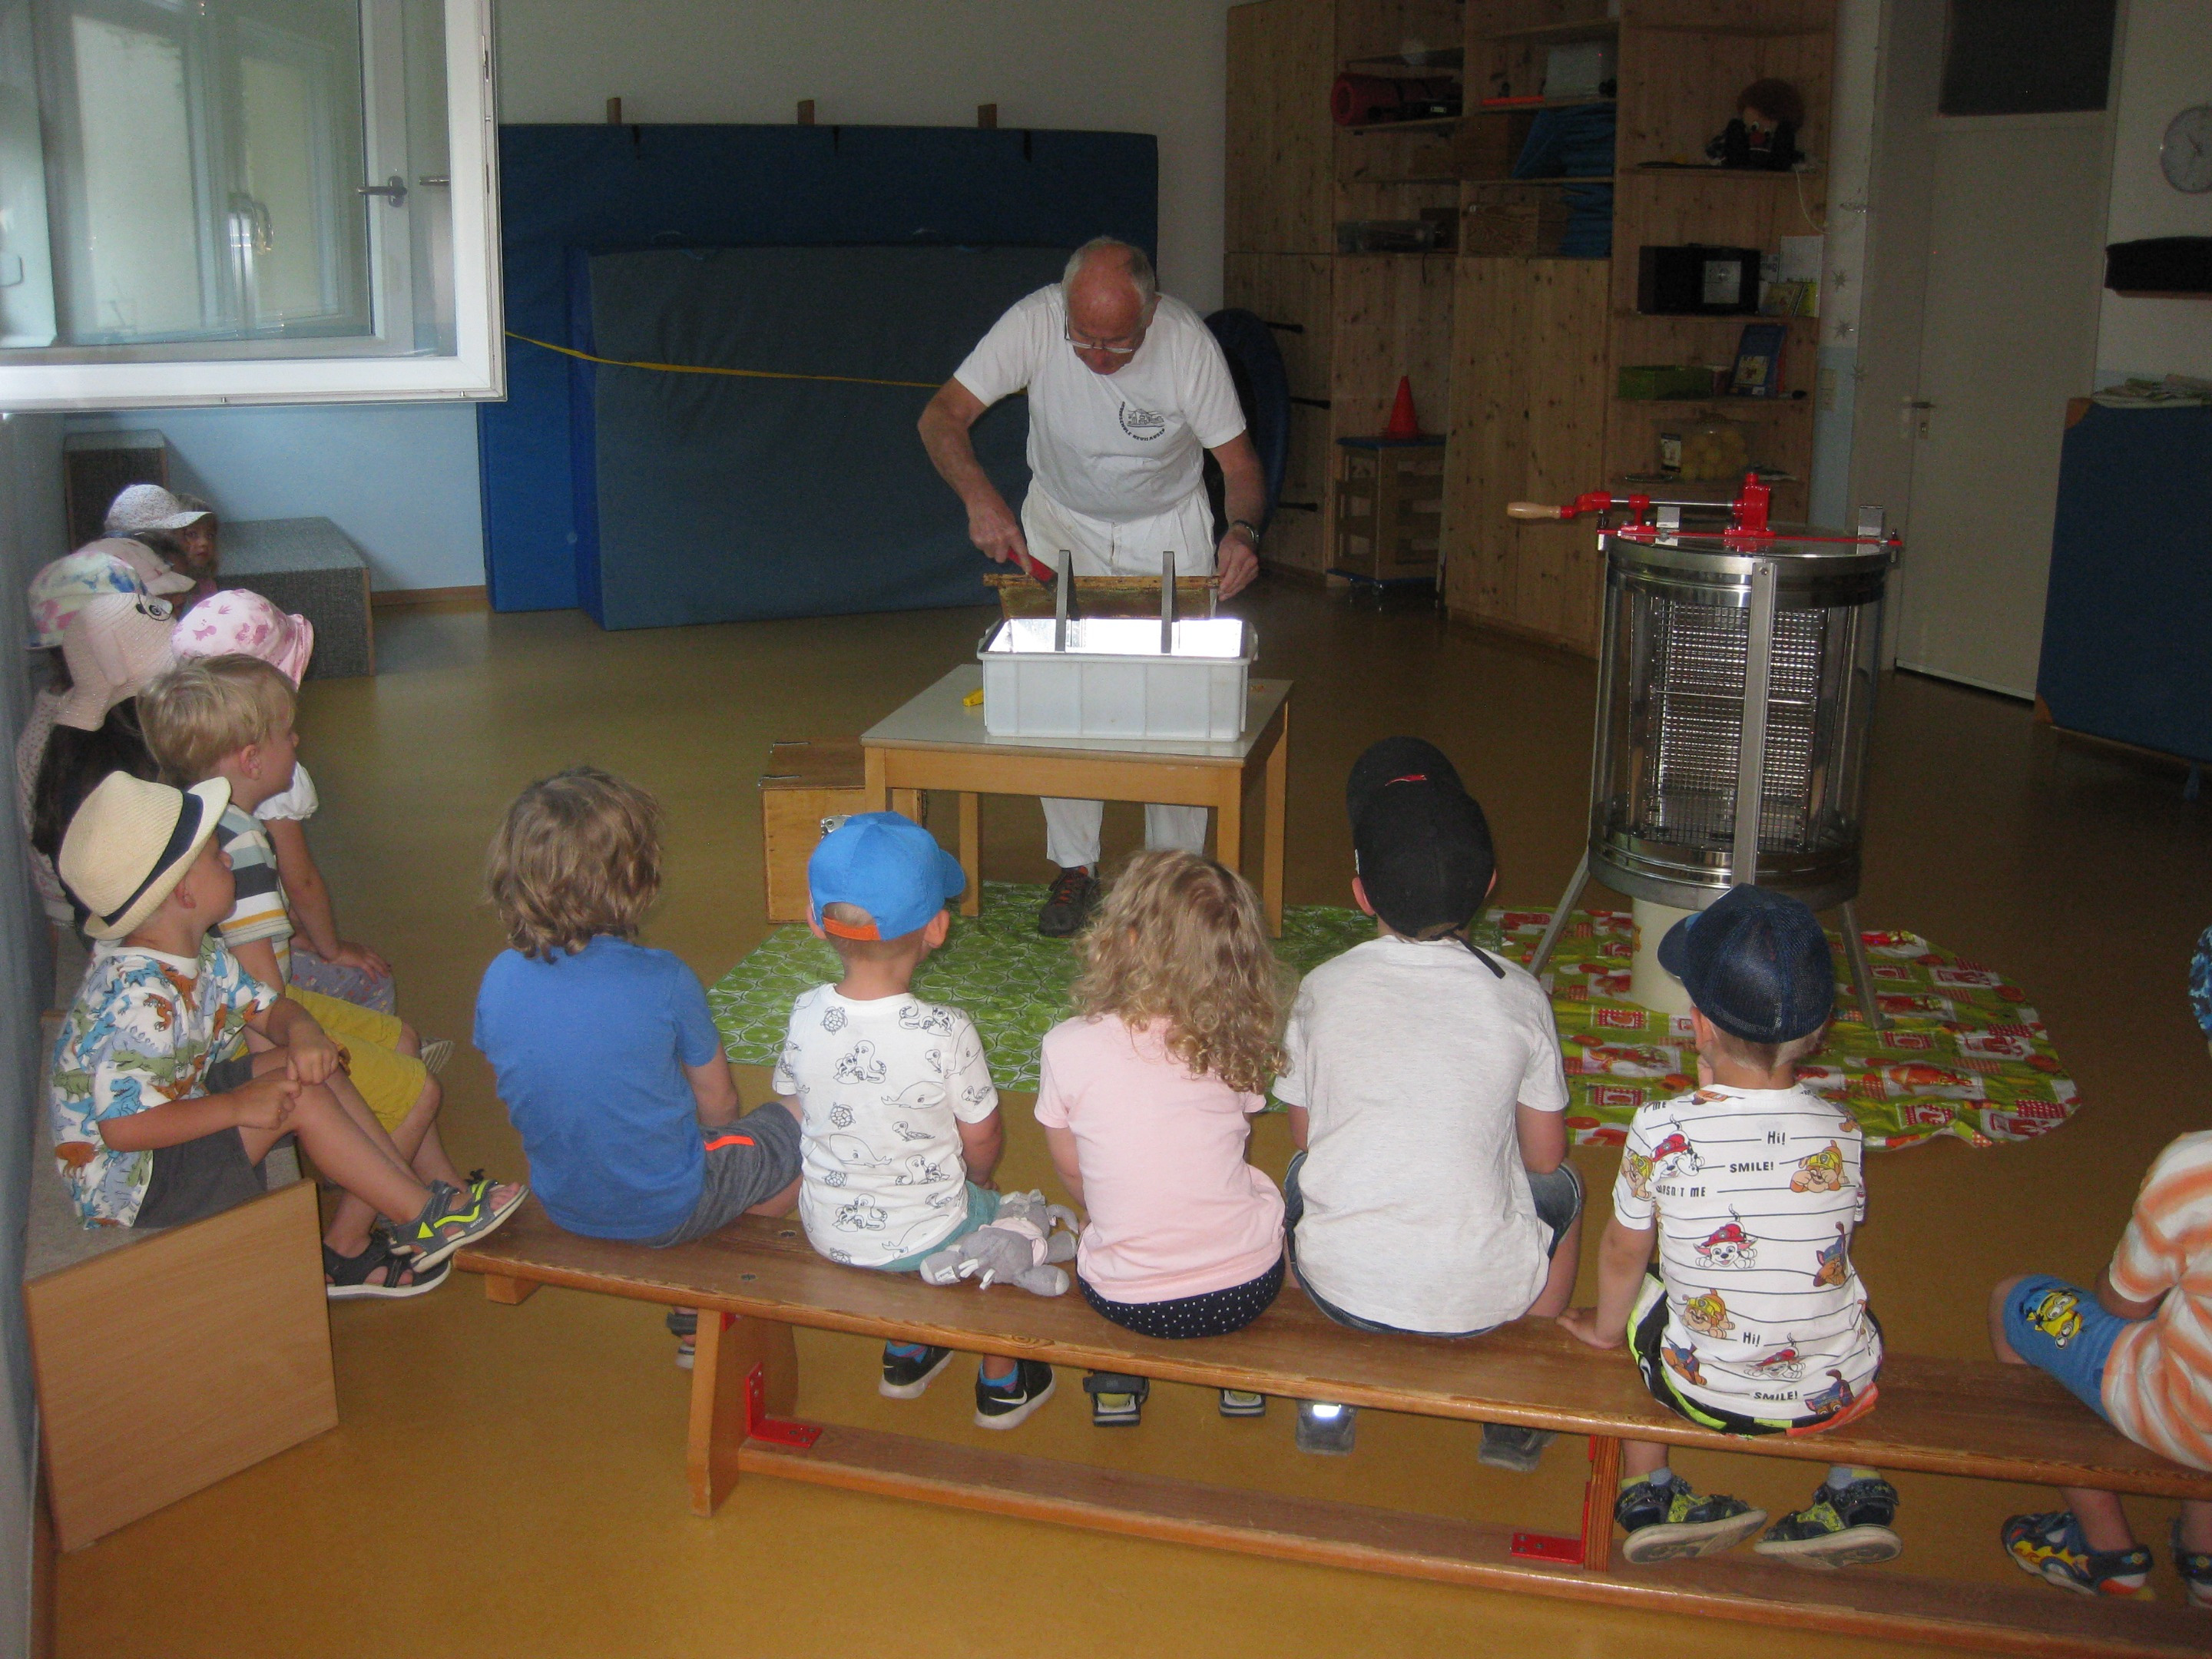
2051,1546
1670,1522
2196,1571
1069,904
1117,1401
907,1374
1845,1528
1242,1402
1008,1403
347,1276
1509,1446
1326,1429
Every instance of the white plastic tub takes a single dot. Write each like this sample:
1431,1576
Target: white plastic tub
1113,682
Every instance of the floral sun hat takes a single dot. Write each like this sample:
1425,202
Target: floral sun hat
61,589
238,622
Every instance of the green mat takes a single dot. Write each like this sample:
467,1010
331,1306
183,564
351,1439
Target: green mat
1964,1054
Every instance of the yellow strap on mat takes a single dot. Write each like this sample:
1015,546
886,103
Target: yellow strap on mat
701,368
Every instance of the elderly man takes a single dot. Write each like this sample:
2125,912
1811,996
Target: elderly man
1127,386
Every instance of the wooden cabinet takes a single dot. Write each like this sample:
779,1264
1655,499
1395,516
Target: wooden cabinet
1280,192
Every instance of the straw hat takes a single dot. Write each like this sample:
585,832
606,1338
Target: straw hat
129,845
113,647
239,622
148,507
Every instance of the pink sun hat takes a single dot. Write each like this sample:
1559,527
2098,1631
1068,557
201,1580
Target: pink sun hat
237,622
114,646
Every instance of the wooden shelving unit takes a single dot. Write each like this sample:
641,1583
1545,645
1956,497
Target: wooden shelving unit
1514,358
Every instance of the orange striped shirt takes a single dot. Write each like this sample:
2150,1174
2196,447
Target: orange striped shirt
2158,1378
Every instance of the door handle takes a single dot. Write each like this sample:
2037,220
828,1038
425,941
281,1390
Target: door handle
1912,417
393,189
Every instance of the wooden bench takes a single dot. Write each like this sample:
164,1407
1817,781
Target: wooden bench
1976,1419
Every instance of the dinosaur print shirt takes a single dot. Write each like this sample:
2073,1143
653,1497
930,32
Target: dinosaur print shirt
885,1086
1754,1193
141,1033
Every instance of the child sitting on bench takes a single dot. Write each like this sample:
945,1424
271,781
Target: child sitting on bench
1432,1193
607,1059
1753,1321
901,1116
160,1115
2137,1351
1146,1098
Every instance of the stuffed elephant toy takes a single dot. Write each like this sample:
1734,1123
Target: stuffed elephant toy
1020,1244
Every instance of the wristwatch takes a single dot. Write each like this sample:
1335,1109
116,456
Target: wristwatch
1251,531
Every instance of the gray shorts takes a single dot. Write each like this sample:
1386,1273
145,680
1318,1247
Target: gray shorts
748,1162
198,1178
1558,1195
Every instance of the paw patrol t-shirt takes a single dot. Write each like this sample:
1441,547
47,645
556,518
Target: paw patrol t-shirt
1755,1193
885,1086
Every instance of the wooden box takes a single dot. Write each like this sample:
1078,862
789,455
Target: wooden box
1389,508
805,783
1501,221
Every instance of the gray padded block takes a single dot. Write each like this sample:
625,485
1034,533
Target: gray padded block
311,566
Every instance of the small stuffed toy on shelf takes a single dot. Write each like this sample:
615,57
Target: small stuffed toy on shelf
1763,137
1027,1236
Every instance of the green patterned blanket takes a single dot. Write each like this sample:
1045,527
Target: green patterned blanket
1964,1054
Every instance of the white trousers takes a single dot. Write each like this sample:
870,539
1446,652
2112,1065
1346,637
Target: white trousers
1135,549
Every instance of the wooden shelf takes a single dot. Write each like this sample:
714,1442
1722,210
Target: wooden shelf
1592,28
1520,107
1703,174
1741,31
1721,403
1445,57
1426,124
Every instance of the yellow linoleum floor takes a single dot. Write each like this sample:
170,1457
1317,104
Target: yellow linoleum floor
509,1481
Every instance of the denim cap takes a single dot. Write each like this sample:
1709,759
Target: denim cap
890,866
1756,963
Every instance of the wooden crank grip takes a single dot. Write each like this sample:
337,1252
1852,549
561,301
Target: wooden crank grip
1532,510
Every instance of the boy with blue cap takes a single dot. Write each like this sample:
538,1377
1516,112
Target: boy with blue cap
898,1117
1754,1321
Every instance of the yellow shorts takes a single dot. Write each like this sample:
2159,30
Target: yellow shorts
389,1081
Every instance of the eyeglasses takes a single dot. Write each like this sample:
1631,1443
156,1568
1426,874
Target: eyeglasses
1109,347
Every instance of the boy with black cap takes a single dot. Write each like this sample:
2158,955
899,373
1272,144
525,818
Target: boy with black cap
1754,1321
1432,1193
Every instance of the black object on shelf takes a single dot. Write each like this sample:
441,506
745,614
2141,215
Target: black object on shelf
1696,281
2179,266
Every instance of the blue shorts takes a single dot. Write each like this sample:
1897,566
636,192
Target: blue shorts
2062,1329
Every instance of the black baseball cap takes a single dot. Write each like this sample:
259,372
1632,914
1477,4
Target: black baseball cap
1421,842
1756,963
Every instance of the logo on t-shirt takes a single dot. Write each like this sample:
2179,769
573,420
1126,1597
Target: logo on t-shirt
1143,424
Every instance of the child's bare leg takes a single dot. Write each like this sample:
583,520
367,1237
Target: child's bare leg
782,1204
1558,1292
414,1142
409,1043
997,1368
2104,1522
1640,1457
363,1168
2196,1527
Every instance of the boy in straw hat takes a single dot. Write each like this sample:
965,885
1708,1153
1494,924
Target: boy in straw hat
159,1116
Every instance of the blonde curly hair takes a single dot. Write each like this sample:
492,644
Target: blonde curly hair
1182,939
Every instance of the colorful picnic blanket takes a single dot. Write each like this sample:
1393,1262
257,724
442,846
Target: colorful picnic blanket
1963,1055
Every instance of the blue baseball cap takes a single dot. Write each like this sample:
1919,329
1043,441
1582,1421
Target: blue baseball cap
889,865
1756,963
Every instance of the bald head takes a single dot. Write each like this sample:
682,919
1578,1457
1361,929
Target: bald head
1110,290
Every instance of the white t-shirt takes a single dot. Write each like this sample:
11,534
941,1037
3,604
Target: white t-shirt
1756,1192
298,800
882,1083
1116,447
1409,1058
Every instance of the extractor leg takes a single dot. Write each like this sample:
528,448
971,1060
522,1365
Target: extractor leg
1557,925
1861,975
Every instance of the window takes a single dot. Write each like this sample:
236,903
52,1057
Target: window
249,201
2026,57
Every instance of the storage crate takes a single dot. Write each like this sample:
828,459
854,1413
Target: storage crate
805,784
1389,508
1114,682
1501,221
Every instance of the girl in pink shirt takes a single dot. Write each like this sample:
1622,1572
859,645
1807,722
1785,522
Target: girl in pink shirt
1145,1097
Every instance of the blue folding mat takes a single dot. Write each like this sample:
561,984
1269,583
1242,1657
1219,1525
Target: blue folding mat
650,497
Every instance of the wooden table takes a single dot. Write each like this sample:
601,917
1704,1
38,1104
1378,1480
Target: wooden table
936,742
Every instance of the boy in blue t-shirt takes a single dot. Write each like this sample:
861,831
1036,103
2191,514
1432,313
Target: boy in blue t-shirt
608,1061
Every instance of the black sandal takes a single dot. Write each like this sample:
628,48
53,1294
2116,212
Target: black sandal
349,1275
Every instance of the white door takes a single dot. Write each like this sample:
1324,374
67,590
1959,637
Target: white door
2008,334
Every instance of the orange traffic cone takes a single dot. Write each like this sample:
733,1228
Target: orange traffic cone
1404,423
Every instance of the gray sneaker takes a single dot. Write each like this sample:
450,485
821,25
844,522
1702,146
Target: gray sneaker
1068,905
1509,1446
1326,1429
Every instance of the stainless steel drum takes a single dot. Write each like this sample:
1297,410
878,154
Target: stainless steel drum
1735,671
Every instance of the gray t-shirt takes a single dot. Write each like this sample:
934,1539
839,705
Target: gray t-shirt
1409,1059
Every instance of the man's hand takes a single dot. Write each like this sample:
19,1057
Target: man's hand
1581,1322
267,1103
1236,563
994,528
350,955
309,1056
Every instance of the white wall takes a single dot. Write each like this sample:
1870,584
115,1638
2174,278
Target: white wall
2166,66
1153,66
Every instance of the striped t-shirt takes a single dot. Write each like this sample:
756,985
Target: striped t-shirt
258,913
2158,1378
